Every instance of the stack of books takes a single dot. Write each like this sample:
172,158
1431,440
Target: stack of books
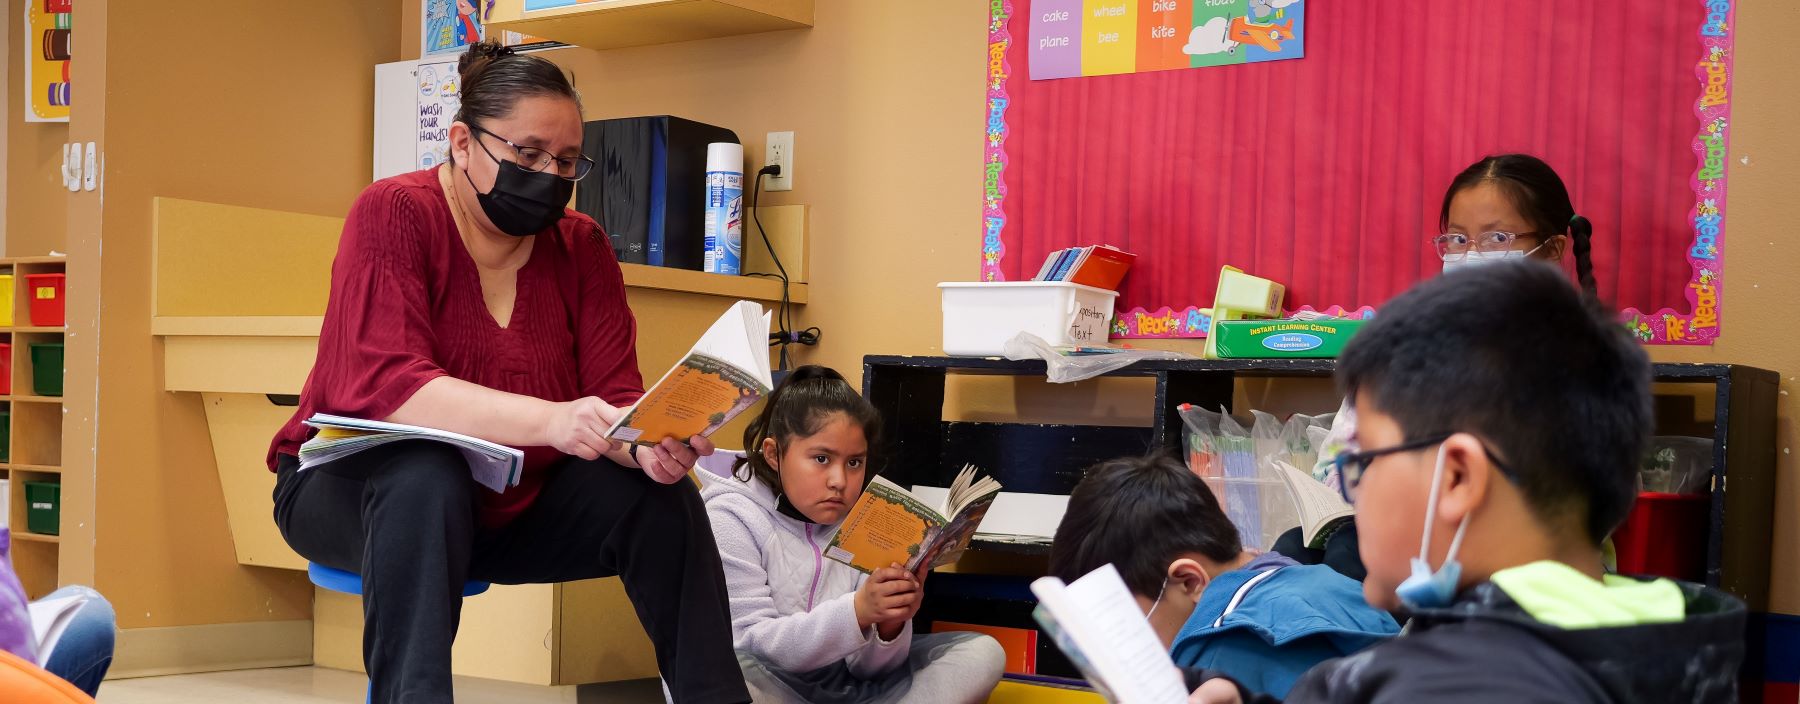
1100,266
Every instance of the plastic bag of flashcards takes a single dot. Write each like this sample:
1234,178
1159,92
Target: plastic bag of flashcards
1336,441
1200,435
1298,446
1063,366
1676,465
1254,497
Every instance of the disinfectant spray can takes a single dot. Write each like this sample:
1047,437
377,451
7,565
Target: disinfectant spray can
724,208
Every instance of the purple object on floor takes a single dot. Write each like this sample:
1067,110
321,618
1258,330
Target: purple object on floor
15,617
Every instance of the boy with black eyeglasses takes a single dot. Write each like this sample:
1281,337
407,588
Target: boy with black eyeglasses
1500,419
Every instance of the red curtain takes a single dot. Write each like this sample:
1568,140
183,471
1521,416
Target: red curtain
1327,173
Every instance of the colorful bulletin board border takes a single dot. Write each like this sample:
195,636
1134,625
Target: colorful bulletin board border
47,41
1705,256
1192,321
994,155
1070,38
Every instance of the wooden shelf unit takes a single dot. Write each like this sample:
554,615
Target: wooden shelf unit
928,448
759,288
616,24
34,446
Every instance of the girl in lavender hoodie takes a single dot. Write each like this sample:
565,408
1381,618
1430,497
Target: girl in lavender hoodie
809,629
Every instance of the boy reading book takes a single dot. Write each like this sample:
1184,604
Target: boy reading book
1262,618
809,629
1500,420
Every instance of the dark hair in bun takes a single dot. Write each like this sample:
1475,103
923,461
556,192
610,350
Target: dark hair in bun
494,78
798,408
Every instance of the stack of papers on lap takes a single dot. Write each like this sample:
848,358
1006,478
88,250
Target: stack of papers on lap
49,618
492,465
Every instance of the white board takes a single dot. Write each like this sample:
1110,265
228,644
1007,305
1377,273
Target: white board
415,102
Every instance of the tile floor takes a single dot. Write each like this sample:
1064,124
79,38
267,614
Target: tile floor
317,685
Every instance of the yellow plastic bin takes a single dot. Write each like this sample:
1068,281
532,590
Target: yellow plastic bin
6,300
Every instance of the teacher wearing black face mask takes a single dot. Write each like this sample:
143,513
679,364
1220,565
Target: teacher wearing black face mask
468,298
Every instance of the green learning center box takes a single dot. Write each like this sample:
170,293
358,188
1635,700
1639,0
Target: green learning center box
1284,339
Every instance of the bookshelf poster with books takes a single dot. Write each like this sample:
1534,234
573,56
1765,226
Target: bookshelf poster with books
1327,173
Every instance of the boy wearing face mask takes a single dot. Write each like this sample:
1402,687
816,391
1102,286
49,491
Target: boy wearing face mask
1489,466
1262,618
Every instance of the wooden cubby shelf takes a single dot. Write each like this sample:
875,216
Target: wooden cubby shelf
625,23
35,432
39,468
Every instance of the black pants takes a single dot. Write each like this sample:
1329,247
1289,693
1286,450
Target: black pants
404,517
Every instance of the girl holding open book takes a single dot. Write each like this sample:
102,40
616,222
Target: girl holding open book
468,298
810,629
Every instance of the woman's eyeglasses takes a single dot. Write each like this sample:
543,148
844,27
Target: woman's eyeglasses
573,168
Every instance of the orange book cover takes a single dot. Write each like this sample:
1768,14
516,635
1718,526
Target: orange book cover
1105,268
1020,644
725,374
698,396
887,526
891,526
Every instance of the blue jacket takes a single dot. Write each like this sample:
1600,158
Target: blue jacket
1266,627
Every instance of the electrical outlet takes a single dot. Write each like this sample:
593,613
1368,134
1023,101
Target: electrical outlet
779,149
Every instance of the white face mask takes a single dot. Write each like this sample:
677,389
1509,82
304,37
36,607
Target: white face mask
1480,258
1205,579
1159,596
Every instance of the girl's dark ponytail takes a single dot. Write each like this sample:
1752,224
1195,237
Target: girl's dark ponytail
1581,241
798,407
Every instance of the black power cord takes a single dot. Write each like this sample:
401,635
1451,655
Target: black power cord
784,317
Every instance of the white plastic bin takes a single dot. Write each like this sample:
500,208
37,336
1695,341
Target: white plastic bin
980,317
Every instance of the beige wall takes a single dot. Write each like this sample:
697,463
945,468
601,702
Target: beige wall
208,101
884,99
36,202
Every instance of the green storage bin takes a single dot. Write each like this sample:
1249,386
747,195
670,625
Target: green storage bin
47,368
6,435
43,507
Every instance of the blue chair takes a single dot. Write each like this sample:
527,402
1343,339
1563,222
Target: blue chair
351,583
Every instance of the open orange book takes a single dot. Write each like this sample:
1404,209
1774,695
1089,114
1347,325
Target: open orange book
891,526
725,374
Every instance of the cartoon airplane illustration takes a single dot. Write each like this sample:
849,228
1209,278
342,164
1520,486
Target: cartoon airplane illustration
1267,36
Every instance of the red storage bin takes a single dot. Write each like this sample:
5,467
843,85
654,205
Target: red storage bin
1664,536
46,294
5,369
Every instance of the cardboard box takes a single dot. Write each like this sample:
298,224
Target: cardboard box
1284,339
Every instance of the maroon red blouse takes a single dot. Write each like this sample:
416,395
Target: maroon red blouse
406,307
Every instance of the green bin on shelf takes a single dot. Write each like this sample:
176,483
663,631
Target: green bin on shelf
43,507
47,368
5,435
